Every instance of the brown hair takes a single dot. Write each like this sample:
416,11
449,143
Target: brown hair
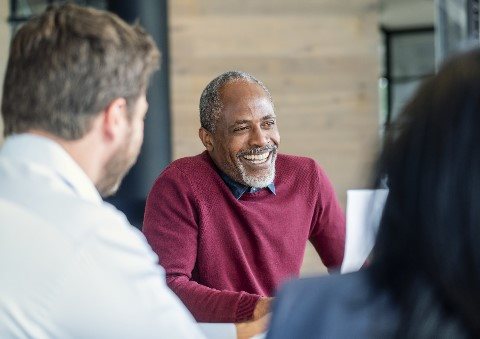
66,65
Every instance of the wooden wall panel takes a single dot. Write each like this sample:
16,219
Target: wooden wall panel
318,58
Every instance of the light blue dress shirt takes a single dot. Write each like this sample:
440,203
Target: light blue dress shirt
71,265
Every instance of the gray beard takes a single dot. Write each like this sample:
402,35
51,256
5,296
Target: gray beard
258,181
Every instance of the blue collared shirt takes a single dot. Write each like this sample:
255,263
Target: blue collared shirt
238,189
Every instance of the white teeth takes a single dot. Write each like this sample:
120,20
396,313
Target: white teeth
257,158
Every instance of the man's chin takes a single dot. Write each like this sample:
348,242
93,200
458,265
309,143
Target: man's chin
109,190
259,180
110,184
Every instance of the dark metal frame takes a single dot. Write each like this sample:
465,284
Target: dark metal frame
473,18
388,33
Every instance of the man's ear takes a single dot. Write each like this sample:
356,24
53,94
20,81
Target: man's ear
114,118
207,138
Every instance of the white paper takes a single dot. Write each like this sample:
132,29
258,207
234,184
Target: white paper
364,210
218,330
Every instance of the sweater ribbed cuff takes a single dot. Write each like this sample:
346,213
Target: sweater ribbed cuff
246,306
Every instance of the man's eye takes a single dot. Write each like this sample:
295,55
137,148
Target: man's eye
241,128
269,123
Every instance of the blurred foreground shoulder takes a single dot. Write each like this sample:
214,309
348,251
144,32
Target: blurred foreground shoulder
336,306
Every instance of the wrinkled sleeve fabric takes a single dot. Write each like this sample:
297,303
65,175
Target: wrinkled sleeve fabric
327,232
171,226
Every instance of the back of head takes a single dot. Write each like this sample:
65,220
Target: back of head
67,64
427,249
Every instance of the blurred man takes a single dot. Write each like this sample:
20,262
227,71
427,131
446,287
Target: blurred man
73,107
232,223
424,274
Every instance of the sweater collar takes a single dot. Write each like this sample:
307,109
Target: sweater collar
238,189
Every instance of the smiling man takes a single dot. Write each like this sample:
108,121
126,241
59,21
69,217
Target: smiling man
232,223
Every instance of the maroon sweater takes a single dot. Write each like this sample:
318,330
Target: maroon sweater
221,254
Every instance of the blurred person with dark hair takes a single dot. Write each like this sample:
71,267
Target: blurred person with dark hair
425,273
232,223
74,103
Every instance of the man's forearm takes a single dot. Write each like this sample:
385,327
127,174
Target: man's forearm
211,305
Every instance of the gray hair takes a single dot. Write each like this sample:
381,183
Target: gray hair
210,102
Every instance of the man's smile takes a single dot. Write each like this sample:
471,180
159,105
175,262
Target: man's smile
257,159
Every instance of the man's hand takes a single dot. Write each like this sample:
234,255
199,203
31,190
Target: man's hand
249,329
262,308
259,322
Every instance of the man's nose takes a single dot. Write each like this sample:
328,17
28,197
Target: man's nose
259,137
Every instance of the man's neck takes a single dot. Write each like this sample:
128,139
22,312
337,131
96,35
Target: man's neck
81,150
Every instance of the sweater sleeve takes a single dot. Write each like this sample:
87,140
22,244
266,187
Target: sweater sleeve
328,228
171,228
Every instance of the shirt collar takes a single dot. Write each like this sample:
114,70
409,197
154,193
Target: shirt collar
47,153
238,189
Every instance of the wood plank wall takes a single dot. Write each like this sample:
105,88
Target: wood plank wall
320,60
